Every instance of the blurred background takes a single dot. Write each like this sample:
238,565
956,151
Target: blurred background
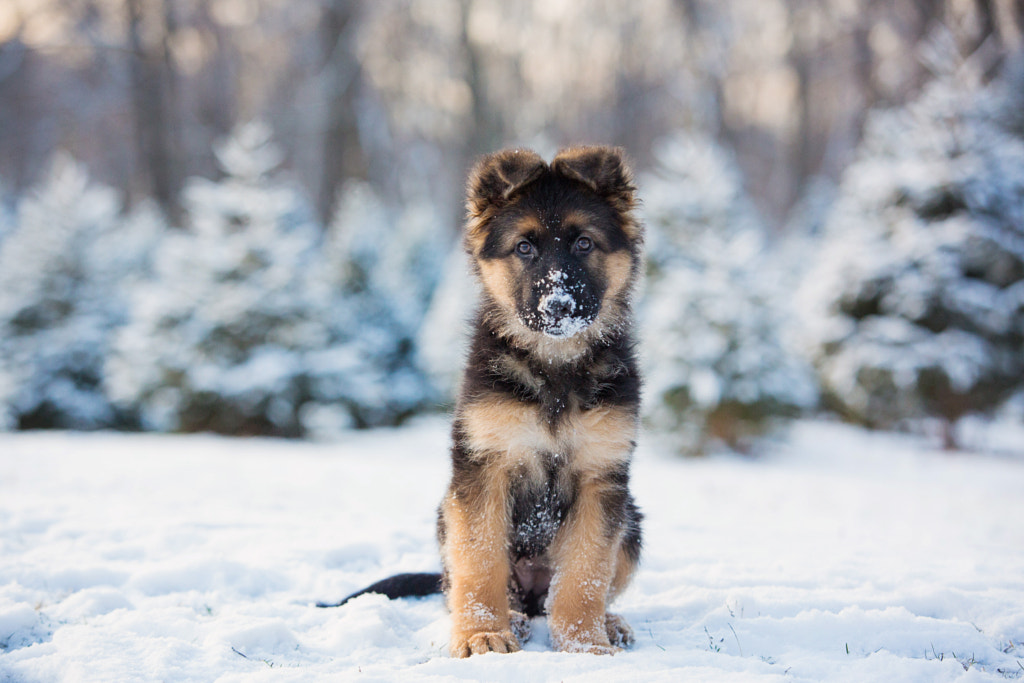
242,215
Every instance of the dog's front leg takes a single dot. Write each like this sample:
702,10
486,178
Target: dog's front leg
584,557
476,558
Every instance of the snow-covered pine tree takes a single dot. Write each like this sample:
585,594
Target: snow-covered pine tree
245,329
63,270
917,303
381,263
216,336
445,333
715,363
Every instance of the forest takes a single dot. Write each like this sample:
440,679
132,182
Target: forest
242,216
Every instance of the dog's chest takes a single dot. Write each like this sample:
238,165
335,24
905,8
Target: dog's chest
538,508
520,437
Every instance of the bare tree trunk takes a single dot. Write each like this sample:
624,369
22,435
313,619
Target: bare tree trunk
485,133
150,72
987,22
172,132
692,14
16,152
949,440
343,155
864,58
800,57
217,106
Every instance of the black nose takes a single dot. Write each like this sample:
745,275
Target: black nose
558,307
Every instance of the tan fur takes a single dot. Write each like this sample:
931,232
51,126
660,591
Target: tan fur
619,632
498,273
476,232
600,438
576,218
585,562
496,277
625,566
507,434
478,570
513,433
619,267
549,349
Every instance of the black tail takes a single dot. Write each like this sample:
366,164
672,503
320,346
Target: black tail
397,586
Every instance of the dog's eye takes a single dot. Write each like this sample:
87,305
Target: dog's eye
524,248
584,244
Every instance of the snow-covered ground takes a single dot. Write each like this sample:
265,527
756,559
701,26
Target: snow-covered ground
838,556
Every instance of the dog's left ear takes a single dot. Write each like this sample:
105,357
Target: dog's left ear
602,169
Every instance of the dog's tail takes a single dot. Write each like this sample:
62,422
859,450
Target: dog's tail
397,586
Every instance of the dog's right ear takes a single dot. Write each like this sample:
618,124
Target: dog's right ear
496,177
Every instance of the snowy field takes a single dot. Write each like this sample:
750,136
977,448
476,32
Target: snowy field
838,556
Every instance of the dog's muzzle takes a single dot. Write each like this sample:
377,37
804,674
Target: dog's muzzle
558,315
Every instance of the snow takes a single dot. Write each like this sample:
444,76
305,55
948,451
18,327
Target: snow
836,555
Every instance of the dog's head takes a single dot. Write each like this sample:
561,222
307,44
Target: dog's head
556,247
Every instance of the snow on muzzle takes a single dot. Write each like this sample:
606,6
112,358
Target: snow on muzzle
561,314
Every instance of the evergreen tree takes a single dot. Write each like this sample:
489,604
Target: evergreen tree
716,365
381,263
444,336
917,305
248,328
212,341
62,275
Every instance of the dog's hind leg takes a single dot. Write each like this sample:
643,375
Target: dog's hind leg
620,634
520,625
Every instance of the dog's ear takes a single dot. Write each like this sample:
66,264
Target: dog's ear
496,177
603,170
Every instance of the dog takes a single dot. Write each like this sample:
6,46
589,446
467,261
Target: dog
538,517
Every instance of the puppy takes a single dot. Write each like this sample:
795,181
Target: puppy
538,517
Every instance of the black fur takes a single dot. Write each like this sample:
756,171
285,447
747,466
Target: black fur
606,375
397,586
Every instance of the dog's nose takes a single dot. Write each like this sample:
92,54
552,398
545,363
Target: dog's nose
558,309
558,306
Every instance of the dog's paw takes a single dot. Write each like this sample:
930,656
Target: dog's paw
482,642
520,625
592,640
619,633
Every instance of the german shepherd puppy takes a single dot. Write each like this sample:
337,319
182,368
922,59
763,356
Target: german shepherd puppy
538,517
